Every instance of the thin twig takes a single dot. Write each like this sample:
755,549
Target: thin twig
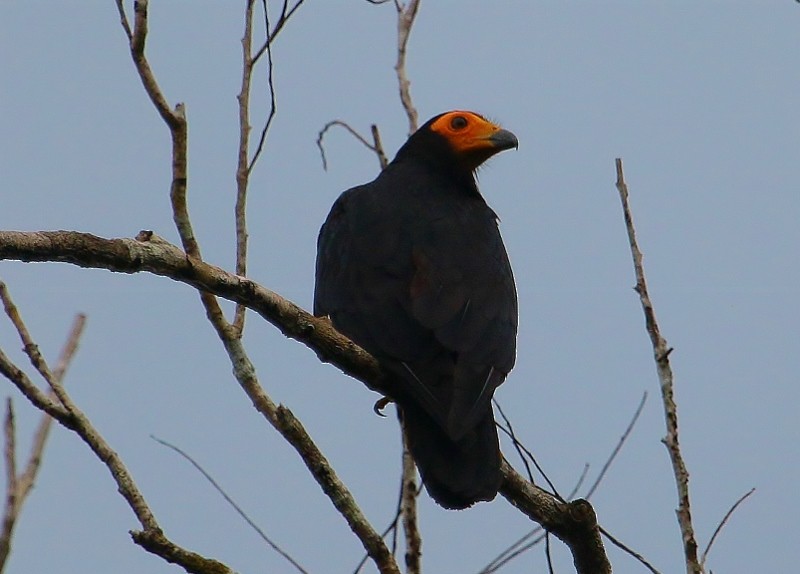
722,523
272,104
628,550
70,416
12,502
547,552
19,486
574,522
242,171
517,444
151,537
28,475
286,14
375,147
517,549
232,502
28,345
123,20
514,550
282,419
8,368
391,528
405,21
661,352
617,448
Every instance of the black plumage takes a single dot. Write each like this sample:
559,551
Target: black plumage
412,267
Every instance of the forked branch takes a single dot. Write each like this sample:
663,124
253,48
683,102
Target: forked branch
573,522
151,537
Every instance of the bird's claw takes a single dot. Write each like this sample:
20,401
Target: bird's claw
381,404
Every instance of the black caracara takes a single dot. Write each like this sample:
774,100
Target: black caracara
412,268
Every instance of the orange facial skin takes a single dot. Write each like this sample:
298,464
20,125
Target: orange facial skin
473,138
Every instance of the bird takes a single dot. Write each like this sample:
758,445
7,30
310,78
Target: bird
412,268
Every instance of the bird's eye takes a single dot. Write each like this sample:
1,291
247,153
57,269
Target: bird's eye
458,123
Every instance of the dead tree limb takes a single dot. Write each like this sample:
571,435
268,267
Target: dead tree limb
573,522
661,352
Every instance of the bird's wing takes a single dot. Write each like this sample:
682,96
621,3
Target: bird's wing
362,277
435,300
463,290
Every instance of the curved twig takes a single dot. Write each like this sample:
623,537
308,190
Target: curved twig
376,147
722,523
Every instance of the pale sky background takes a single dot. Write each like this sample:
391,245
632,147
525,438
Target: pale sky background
701,101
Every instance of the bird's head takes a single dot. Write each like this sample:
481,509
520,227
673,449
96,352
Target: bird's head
461,138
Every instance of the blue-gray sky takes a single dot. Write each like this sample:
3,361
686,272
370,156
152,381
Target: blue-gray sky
699,99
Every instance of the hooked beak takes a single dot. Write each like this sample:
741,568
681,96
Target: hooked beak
503,139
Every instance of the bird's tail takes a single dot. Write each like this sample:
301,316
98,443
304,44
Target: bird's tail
456,474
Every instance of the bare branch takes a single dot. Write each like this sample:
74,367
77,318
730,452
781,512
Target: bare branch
514,550
270,83
31,391
284,422
28,345
137,41
617,448
408,508
123,20
518,446
628,550
722,523
375,147
28,476
341,498
242,167
522,450
286,14
232,502
175,120
520,547
39,399
19,486
405,21
391,528
573,522
151,538
71,417
547,552
12,500
661,352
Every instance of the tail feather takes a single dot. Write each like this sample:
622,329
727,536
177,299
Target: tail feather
456,474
